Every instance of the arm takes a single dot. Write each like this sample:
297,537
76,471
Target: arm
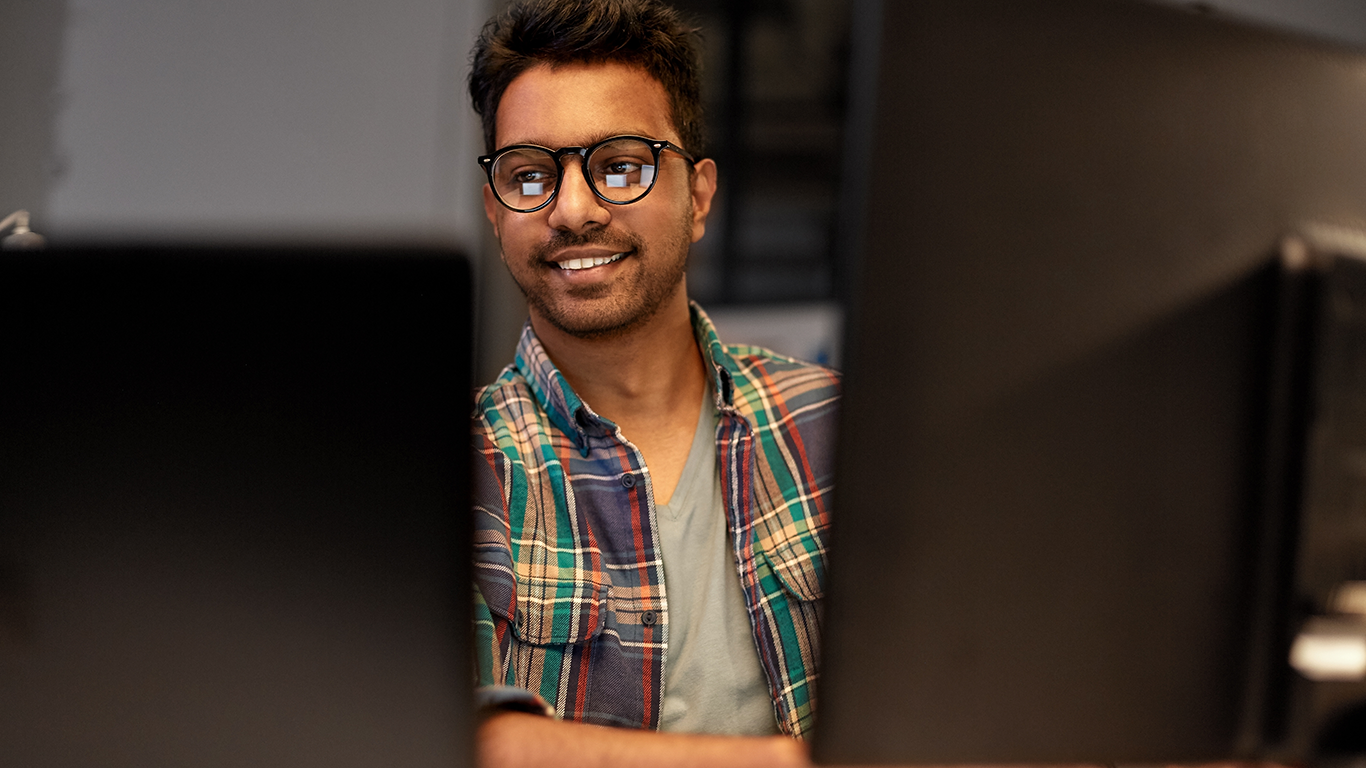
516,739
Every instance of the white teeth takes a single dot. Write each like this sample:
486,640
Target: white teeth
597,261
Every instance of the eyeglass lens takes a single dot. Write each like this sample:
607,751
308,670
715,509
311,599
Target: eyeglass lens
621,171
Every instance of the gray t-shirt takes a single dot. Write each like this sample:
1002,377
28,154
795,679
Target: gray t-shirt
712,679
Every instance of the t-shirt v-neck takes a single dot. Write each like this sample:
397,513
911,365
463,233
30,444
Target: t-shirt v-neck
713,680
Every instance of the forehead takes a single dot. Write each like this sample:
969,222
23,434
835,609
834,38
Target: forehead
578,104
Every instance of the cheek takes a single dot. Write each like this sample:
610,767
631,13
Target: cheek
511,228
675,215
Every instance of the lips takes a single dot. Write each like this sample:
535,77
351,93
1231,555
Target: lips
595,261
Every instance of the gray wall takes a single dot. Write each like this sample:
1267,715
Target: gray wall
258,118
30,57
293,116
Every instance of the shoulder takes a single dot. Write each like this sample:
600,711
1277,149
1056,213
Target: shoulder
767,381
504,402
760,378
509,422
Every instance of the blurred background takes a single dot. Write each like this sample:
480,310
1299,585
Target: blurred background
308,119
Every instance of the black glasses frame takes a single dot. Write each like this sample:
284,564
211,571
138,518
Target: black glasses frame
656,146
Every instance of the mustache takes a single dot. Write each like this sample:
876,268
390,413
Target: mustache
619,242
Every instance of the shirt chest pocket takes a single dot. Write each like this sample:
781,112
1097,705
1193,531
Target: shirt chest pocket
798,562
559,611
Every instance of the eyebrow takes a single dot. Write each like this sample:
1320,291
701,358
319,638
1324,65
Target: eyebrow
590,141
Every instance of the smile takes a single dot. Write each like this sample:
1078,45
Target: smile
588,263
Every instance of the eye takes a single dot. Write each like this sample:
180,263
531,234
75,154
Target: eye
621,166
621,172
531,175
524,166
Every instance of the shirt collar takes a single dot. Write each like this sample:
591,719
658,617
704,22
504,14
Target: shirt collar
721,367
575,418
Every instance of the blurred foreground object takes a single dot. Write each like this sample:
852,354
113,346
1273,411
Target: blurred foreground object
1103,441
23,238
230,490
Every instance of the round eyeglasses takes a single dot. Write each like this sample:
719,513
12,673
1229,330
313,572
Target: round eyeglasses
619,170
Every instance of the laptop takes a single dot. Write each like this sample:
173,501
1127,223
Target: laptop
232,494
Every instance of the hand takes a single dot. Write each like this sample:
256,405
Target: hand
513,739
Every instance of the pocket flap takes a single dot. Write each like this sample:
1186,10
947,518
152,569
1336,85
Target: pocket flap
799,563
559,611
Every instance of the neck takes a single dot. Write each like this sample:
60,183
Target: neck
648,371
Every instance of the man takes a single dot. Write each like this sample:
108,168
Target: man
651,506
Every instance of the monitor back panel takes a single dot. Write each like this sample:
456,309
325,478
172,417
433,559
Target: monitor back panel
1048,544
231,487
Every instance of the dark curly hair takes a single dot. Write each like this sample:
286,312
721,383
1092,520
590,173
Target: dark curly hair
644,33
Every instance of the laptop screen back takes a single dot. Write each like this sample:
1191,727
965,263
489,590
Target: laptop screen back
231,487
1045,543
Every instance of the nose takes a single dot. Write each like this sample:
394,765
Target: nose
575,207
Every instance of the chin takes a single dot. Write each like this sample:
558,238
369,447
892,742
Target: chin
599,323
594,328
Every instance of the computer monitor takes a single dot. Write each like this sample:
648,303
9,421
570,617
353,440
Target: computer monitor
232,506
1064,528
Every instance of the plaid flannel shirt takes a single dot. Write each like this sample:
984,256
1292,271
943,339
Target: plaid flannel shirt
570,598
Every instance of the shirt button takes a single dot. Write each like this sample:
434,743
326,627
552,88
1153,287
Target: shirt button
628,480
649,618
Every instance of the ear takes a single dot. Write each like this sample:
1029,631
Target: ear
491,206
703,190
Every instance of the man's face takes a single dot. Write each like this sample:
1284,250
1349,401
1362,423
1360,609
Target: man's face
646,241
